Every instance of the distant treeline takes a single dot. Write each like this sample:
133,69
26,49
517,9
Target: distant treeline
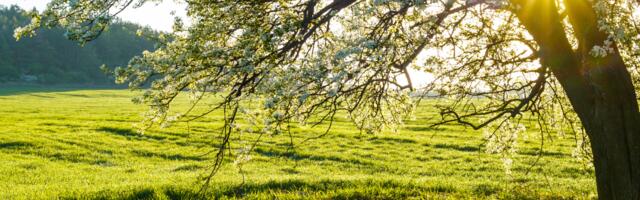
49,58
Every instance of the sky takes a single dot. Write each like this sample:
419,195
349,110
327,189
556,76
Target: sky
157,16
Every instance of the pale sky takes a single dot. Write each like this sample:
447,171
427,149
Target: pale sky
157,16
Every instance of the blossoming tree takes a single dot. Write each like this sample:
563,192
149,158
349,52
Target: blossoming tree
567,63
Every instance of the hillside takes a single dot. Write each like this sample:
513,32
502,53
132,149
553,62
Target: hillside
49,58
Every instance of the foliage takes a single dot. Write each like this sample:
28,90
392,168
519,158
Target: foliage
50,58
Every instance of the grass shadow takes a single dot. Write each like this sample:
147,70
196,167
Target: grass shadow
292,188
335,189
137,194
297,157
544,153
457,147
129,133
165,156
423,128
16,145
394,140
41,96
191,167
76,95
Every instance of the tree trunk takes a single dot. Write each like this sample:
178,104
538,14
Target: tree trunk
600,90
613,126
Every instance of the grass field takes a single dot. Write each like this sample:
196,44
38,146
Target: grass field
80,144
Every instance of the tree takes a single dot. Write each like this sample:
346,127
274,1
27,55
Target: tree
306,58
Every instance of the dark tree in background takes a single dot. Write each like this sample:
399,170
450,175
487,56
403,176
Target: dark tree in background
51,58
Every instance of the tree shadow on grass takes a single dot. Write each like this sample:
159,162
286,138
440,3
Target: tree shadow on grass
424,128
456,147
190,167
143,193
293,188
76,95
166,156
15,145
544,153
130,133
297,157
26,148
41,96
392,140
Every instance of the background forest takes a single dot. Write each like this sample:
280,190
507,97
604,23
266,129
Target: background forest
50,58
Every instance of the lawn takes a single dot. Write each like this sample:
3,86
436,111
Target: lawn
81,144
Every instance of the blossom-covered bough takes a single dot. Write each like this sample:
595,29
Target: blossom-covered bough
568,63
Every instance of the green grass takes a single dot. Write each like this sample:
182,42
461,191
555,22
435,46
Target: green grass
81,145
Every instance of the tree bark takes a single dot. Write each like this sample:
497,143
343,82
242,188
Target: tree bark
600,90
613,127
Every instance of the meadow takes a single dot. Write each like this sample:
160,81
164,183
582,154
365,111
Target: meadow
81,144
